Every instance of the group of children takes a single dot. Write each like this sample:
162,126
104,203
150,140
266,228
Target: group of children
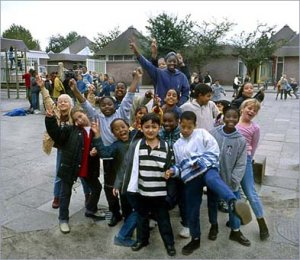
166,157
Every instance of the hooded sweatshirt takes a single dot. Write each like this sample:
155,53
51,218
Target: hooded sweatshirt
233,156
164,80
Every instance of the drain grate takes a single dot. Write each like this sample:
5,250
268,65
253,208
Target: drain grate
289,230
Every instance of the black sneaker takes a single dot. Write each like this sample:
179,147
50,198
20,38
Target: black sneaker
114,220
239,237
139,245
213,232
191,247
171,250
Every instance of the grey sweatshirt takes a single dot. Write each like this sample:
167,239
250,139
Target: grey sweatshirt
233,156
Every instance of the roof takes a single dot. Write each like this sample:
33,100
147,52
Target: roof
288,51
37,54
17,44
120,45
78,46
67,57
285,33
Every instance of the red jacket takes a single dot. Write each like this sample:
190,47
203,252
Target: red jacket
27,76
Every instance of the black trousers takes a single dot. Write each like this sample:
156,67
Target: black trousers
157,206
109,180
96,188
66,192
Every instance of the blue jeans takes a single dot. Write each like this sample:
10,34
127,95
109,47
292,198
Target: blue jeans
248,187
35,100
193,196
57,181
130,222
234,221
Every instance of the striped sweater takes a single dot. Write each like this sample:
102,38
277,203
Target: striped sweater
195,155
148,170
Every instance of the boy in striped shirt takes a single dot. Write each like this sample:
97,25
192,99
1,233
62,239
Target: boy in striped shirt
147,180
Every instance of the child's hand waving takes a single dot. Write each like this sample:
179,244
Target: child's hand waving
95,126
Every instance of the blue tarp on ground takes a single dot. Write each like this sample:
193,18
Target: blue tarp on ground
16,112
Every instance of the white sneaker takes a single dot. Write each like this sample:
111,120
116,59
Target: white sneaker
36,112
185,232
64,228
101,213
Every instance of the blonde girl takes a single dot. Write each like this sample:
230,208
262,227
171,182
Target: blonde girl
251,131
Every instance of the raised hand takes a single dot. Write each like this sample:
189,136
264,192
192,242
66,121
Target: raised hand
154,48
95,127
73,84
137,73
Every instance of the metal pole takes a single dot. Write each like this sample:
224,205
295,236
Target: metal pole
17,76
7,74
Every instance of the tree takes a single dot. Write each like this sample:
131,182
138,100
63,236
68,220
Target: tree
207,43
171,33
18,32
58,43
197,42
255,47
102,40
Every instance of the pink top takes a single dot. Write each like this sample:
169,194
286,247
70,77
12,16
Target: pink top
251,134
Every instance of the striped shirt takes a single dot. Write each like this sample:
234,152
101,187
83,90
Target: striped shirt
151,182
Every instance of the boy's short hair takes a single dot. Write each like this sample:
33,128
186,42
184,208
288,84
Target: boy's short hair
202,89
251,101
150,117
228,108
118,119
175,114
102,98
189,115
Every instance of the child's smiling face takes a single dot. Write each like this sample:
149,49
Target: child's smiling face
171,97
120,130
231,118
249,112
107,106
150,130
169,122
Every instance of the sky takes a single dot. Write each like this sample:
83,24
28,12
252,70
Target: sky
88,18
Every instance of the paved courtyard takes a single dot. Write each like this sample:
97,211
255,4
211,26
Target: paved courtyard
29,226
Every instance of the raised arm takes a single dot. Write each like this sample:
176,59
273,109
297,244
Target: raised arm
137,76
76,92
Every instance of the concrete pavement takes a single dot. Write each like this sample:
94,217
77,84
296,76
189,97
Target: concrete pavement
29,226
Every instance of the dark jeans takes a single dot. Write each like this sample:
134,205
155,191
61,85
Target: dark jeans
193,195
109,180
158,206
130,222
65,197
181,203
95,188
